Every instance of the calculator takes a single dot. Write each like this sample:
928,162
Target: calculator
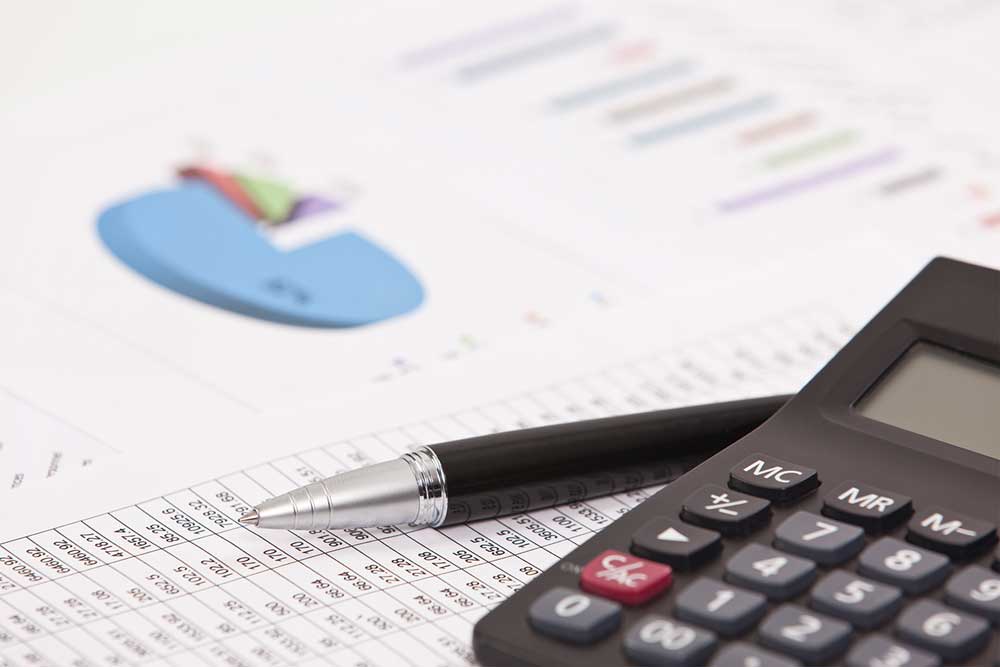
857,526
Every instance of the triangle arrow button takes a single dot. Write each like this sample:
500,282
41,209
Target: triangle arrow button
673,535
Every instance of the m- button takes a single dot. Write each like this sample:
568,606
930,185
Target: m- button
951,533
772,478
876,510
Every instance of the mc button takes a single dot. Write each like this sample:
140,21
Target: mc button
772,478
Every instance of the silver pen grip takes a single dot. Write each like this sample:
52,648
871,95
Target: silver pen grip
410,489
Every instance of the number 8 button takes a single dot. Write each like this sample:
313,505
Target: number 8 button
913,569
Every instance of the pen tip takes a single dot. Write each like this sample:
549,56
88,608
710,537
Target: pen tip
250,518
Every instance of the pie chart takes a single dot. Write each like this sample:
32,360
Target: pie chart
208,239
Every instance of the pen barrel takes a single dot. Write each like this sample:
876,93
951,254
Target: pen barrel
519,471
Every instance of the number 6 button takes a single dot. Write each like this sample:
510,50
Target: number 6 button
952,635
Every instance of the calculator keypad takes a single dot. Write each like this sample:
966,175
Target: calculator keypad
911,568
724,510
823,540
757,604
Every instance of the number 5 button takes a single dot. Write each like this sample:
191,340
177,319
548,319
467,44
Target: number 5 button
824,540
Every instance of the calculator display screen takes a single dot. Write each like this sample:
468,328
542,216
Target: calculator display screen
940,393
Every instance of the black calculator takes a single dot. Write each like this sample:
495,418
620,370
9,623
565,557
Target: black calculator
857,526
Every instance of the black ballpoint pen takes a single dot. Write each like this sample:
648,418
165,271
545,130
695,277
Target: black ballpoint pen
517,471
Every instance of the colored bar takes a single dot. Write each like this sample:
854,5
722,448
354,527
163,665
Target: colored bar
485,37
610,89
226,186
703,121
799,185
311,205
670,100
811,149
917,179
992,220
778,127
273,199
538,52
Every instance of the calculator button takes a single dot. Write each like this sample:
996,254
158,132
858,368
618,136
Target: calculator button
572,616
772,478
881,651
895,562
777,575
865,604
739,654
823,540
625,578
729,512
679,544
810,637
951,533
874,509
725,609
942,630
976,589
657,640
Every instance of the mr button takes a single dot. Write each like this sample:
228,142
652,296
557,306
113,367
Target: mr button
875,510
772,478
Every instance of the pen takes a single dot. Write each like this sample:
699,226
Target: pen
517,471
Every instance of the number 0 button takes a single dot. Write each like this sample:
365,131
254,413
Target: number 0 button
571,616
778,576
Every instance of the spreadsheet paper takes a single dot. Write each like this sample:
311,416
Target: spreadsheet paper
173,579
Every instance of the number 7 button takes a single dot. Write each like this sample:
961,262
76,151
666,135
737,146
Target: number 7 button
824,540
